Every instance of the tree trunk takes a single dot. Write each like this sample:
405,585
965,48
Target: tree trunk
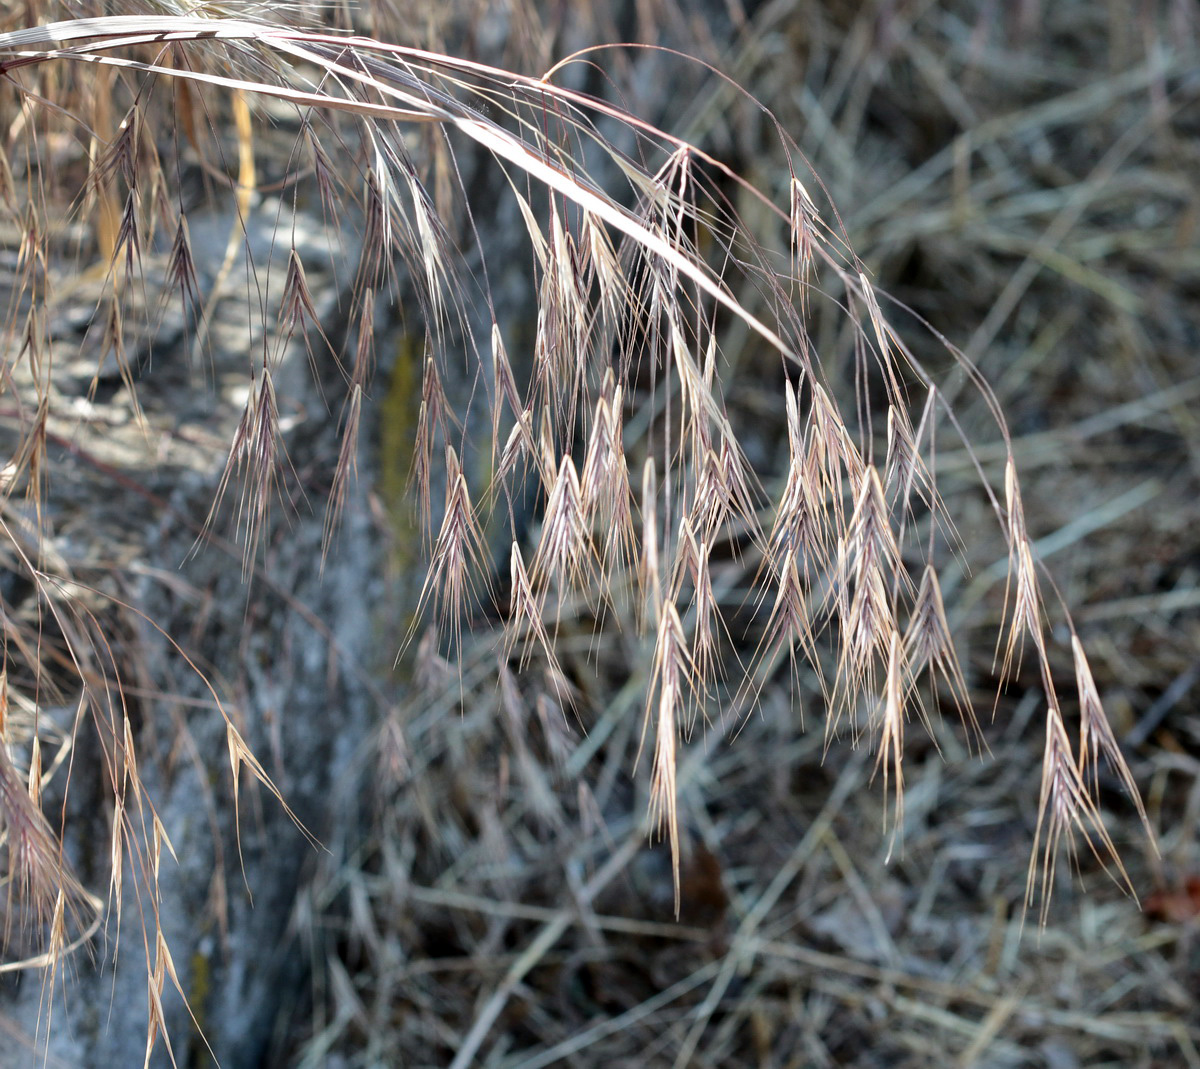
290,650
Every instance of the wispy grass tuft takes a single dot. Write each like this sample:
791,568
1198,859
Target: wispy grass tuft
641,279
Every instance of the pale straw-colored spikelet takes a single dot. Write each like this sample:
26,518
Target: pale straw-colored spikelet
457,552
1024,610
649,580
1060,807
929,647
526,613
604,485
606,269
564,555
670,698
1096,737
890,752
803,215
868,566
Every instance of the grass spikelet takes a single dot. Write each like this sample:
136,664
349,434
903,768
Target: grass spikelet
789,627
692,566
887,341
564,553
667,706
649,581
604,487
890,753
724,499
457,556
1063,805
505,386
242,757
868,563
298,310
803,216
37,881
831,453
929,645
904,469
181,271
1024,612
254,459
800,535
707,619
422,471
1096,737
520,446
526,612
346,468
606,269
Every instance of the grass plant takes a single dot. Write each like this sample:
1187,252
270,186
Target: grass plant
613,461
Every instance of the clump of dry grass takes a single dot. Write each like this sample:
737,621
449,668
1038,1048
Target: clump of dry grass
638,289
